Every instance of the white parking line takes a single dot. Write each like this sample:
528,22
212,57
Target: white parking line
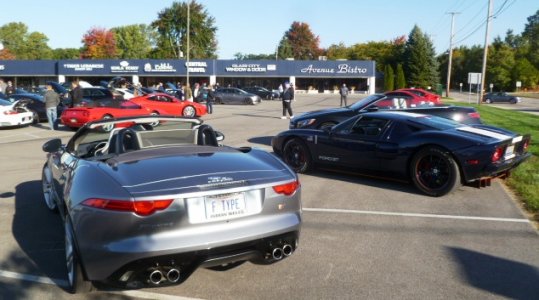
385,213
63,283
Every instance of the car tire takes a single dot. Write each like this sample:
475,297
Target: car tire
513,101
48,189
107,128
434,171
218,100
36,120
189,111
154,124
75,277
327,124
296,155
488,101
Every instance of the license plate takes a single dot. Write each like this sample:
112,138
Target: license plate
509,152
225,206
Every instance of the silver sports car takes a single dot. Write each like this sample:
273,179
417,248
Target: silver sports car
157,197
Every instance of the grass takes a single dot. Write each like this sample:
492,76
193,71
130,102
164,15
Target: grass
524,180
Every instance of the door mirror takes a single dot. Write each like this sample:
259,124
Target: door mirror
52,145
220,136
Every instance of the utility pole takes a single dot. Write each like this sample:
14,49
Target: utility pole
188,36
485,52
447,87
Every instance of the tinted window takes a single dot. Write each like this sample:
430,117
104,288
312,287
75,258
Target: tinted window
369,126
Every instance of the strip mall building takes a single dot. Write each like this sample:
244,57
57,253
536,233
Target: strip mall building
307,76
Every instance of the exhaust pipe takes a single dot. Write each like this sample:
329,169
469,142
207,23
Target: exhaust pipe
173,275
155,277
287,250
277,253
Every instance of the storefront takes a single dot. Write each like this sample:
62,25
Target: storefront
307,76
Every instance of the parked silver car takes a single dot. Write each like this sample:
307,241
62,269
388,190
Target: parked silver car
230,95
148,205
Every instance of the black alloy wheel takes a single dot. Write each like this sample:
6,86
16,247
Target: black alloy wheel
297,156
434,172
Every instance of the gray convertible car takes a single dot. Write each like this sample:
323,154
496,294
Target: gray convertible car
158,197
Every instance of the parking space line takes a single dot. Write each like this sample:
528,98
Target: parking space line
33,278
384,213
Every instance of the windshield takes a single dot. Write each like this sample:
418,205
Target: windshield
361,104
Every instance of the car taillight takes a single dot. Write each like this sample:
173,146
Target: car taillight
526,145
474,115
287,189
497,154
10,112
143,208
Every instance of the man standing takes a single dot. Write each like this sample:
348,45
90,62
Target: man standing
76,94
10,89
51,103
344,94
210,99
288,96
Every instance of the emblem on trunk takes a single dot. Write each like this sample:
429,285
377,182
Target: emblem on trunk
219,179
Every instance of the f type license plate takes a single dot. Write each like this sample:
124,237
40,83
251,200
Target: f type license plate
225,206
510,152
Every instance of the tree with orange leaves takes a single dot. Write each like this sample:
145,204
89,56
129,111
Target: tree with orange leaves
99,43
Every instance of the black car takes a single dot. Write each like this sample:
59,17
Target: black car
436,154
36,105
262,92
500,97
329,117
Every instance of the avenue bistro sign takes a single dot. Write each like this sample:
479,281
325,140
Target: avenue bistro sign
340,69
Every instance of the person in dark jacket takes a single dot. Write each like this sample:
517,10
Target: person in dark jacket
288,97
52,100
75,94
10,89
210,99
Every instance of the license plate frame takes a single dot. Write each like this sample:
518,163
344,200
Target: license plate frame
225,206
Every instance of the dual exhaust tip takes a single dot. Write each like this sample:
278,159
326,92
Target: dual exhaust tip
157,276
280,253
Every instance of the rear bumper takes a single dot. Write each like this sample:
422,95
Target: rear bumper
497,170
16,120
249,239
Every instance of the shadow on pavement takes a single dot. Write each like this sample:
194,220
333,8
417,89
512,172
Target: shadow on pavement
262,140
497,275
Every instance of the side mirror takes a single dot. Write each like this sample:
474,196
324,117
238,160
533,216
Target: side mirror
52,145
220,136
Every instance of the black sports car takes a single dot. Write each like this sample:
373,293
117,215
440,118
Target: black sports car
157,197
330,117
36,105
437,154
262,92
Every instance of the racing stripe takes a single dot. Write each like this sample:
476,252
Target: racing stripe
485,132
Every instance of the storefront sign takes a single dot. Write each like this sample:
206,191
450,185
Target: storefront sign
162,67
246,68
124,67
83,67
2,67
196,66
340,69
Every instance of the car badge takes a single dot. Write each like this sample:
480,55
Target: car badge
219,179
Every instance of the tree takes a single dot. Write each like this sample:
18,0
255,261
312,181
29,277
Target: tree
66,53
531,35
339,51
284,50
421,66
526,73
500,64
389,79
401,81
99,43
241,56
24,45
171,26
134,41
302,41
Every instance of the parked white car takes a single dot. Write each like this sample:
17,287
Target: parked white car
14,114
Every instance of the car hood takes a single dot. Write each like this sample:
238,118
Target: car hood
322,112
185,170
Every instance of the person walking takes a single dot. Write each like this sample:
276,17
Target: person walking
188,93
288,97
52,100
75,94
281,90
344,94
3,86
210,99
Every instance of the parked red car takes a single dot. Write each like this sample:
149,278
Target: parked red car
411,99
164,104
423,94
76,117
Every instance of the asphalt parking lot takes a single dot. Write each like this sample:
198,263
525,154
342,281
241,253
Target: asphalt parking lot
362,238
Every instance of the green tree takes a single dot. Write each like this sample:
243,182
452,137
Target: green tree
134,41
339,51
241,56
66,53
171,26
23,44
421,66
303,42
284,50
389,79
499,65
531,35
401,81
525,72
99,43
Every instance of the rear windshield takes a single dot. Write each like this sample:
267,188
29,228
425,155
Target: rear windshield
435,122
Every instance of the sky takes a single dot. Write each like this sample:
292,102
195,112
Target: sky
256,26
